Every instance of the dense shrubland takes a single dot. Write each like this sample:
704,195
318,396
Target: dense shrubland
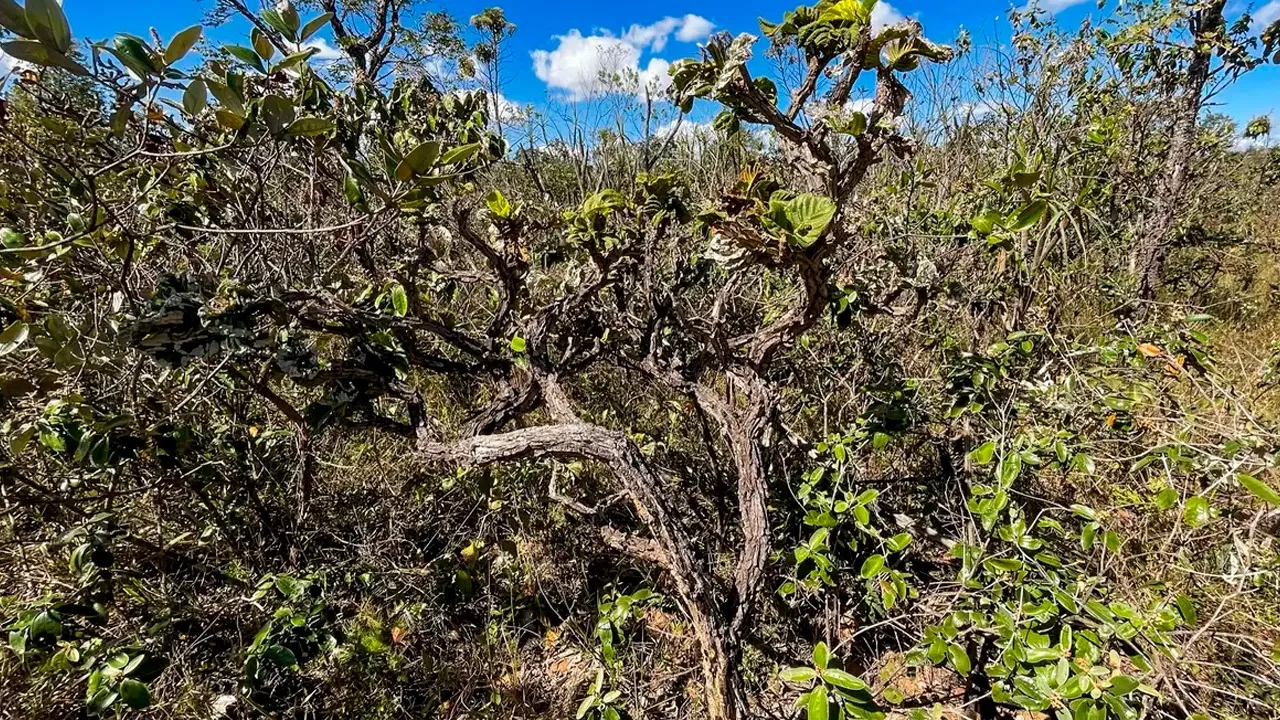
939,380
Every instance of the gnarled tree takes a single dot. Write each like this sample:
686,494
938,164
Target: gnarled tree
331,257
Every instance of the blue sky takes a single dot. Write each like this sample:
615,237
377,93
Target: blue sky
557,47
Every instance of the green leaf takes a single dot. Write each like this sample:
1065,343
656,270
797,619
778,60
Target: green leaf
13,336
1187,609
182,43
1084,511
1259,488
14,19
419,161
805,217
278,112
195,98
1197,512
798,674
229,119
313,25
134,55
310,126
294,60
49,24
45,624
284,19
959,659
518,344
1031,214
34,52
262,44
984,452
499,205
821,656
135,694
818,703
898,542
399,300
102,700
1075,687
227,97
460,154
986,222
872,566
247,56
17,641
1010,466
281,656
1003,564
880,440
842,679
1123,684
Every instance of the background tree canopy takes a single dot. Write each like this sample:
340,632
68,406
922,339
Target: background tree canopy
321,399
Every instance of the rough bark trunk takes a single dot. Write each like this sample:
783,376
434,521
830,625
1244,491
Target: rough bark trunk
579,440
1153,242
720,682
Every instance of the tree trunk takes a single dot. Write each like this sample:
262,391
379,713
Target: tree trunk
1153,242
720,684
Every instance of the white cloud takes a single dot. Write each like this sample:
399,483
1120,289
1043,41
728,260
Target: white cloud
862,105
585,65
696,27
1053,7
653,36
1265,15
510,111
326,52
884,15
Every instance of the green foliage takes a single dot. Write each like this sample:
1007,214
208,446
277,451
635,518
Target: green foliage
309,381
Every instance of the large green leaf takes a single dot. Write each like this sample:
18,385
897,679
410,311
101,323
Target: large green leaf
959,659
248,56
1197,512
1031,214
135,694
872,566
314,25
1259,488
49,24
803,219
13,336
419,160
842,679
399,300
852,11
182,43
460,154
278,111
818,704
291,61
310,126
227,97
283,19
821,656
133,53
195,98
40,54
14,19
798,674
